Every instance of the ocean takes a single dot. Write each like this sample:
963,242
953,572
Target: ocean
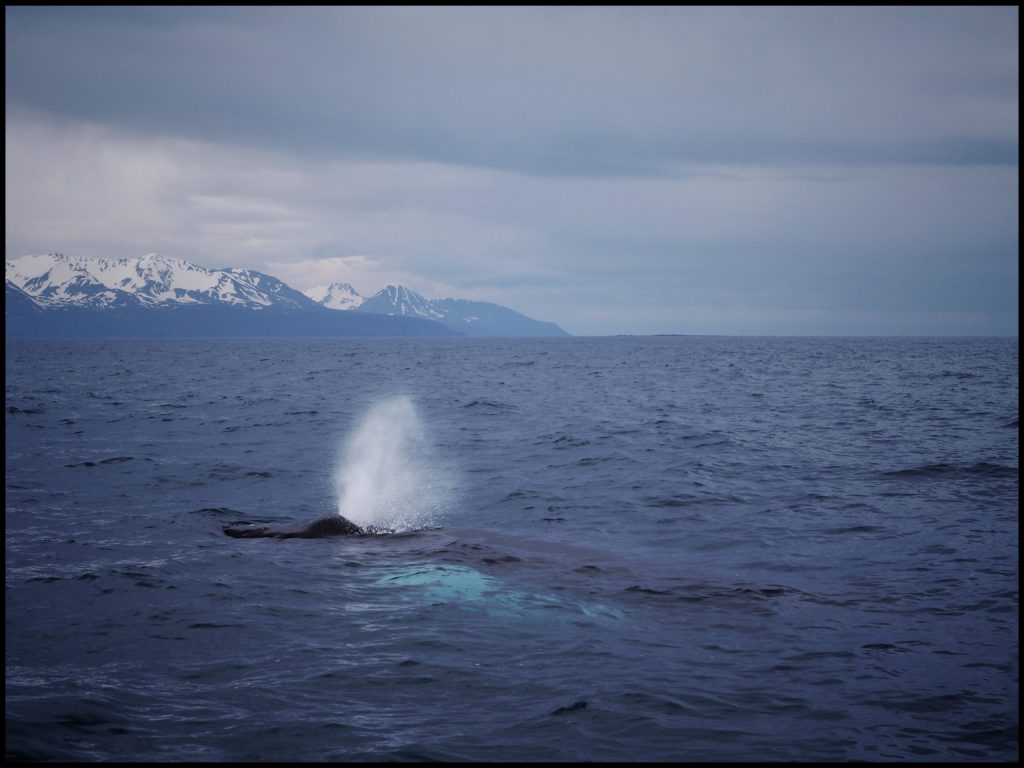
600,549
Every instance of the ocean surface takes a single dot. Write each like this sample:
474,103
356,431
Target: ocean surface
635,548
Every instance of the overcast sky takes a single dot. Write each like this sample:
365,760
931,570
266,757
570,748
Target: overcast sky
611,169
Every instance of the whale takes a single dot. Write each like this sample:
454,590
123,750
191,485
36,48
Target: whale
332,525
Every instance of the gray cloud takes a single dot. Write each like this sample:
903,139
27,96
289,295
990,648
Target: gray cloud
718,170
563,90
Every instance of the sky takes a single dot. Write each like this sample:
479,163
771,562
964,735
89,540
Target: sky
615,170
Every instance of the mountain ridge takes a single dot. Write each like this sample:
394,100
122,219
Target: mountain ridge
471,318
153,295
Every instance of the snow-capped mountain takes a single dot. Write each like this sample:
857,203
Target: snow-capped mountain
471,318
336,296
399,300
56,280
58,296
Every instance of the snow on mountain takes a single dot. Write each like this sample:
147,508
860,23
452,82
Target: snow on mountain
16,300
123,287
336,296
399,300
471,318
56,280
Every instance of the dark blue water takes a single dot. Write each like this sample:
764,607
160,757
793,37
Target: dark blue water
676,548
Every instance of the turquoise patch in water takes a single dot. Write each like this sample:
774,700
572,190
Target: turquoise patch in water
444,583
459,584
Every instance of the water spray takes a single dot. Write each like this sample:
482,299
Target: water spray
388,477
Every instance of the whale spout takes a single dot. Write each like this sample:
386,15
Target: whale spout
333,525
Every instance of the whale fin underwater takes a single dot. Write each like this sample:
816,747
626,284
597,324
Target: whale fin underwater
333,525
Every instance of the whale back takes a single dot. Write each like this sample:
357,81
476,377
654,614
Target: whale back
333,525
